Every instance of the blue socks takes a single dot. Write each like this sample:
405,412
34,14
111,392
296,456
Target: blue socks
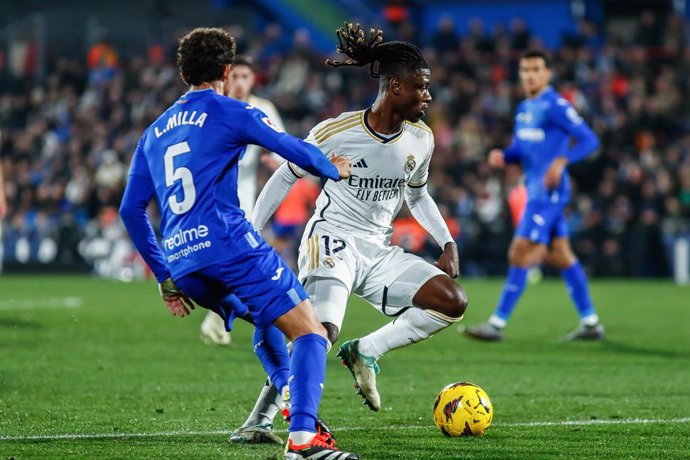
576,282
512,290
270,348
307,374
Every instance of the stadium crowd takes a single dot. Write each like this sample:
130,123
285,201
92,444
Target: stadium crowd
66,144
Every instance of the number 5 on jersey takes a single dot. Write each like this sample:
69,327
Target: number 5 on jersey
182,174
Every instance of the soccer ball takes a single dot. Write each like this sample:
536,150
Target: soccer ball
463,409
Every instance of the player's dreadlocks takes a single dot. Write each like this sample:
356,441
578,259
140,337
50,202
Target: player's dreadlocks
393,58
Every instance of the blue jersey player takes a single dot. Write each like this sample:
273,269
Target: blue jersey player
209,253
548,135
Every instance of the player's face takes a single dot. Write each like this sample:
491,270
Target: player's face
415,96
241,82
534,75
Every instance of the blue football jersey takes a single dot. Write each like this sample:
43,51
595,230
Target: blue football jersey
544,128
188,160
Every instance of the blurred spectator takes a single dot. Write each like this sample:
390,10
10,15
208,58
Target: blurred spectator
67,142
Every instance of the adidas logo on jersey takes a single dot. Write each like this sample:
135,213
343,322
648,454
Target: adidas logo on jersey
360,164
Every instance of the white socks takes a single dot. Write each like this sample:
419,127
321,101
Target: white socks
497,322
590,320
412,326
301,437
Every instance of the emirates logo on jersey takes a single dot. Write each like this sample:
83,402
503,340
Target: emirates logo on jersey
410,163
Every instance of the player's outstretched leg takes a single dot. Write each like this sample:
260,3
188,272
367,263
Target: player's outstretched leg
213,330
440,302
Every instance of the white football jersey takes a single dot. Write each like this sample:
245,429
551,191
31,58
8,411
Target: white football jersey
246,176
382,166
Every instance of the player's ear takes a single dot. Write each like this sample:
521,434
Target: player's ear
395,85
227,71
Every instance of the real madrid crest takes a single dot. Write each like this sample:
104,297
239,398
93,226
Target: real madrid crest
410,163
328,262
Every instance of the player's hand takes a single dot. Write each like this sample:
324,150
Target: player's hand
176,301
552,178
497,158
449,261
343,165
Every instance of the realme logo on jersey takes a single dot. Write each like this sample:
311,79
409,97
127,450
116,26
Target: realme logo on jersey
182,119
531,134
186,242
186,236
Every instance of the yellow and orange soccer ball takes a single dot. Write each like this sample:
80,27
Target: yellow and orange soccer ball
463,409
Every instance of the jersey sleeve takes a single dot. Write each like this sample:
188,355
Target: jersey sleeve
311,139
421,175
565,116
138,192
260,130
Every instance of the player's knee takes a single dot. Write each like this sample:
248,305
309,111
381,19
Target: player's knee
332,332
458,301
320,330
454,301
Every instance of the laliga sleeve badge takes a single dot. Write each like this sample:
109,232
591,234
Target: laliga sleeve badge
410,163
328,262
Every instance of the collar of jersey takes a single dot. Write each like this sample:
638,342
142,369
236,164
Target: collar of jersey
378,136
543,93
196,91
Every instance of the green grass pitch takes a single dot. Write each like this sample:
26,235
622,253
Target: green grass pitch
91,368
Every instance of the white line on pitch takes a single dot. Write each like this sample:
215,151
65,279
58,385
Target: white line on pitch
31,304
162,434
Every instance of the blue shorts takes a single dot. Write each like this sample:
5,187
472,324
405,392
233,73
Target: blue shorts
284,231
260,283
543,221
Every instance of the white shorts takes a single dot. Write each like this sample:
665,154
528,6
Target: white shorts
333,265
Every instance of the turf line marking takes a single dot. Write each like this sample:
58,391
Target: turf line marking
31,304
162,434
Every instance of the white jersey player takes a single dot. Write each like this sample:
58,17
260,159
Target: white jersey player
246,180
346,245
213,328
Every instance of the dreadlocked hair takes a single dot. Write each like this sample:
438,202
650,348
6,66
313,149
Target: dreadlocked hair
393,58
